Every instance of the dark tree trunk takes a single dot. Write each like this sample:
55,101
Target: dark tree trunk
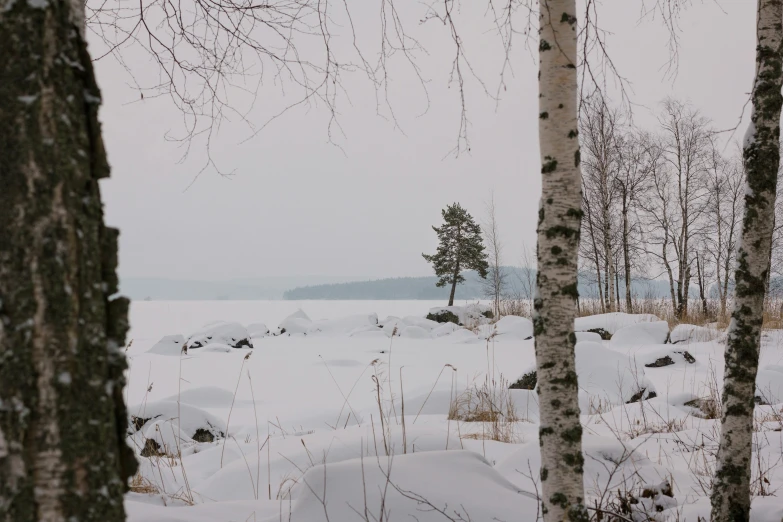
761,155
702,295
627,261
453,290
63,454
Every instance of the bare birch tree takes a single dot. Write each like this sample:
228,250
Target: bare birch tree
560,213
761,155
63,454
495,283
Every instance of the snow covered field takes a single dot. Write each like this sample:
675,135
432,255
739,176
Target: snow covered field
336,419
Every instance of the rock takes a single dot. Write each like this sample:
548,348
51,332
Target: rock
151,449
443,316
203,435
233,335
642,395
661,362
690,359
600,332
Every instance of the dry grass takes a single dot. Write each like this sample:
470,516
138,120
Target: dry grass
140,484
489,405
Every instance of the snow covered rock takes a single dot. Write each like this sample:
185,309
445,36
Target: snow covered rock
196,423
588,336
257,330
690,333
415,332
641,333
296,323
445,329
508,327
662,358
427,324
233,335
168,345
483,494
609,377
469,315
769,385
342,325
611,322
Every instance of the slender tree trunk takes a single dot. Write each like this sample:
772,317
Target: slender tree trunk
761,154
617,289
702,295
627,261
560,214
63,454
453,289
595,257
668,267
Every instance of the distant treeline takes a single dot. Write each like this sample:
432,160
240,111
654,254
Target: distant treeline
400,288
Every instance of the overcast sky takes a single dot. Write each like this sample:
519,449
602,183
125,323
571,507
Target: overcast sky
298,205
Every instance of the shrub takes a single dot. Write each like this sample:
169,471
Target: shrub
444,316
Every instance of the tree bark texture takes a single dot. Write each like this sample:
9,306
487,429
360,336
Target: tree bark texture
63,454
761,154
559,220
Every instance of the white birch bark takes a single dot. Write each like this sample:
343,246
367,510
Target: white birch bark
761,152
560,215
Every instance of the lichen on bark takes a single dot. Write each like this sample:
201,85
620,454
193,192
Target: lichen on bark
62,415
761,154
560,433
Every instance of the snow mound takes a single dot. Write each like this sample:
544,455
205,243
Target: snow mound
415,332
445,329
185,417
428,475
462,335
257,330
204,397
296,323
607,376
611,322
168,345
421,322
233,335
343,325
641,333
769,384
588,336
508,327
690,333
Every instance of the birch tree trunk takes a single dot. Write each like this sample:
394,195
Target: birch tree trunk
627,259
761,153
560,214
62,418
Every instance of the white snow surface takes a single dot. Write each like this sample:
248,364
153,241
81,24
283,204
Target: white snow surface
297,415
611,322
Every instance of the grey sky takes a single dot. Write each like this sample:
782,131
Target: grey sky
300,206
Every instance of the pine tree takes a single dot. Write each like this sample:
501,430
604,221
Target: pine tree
461,248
